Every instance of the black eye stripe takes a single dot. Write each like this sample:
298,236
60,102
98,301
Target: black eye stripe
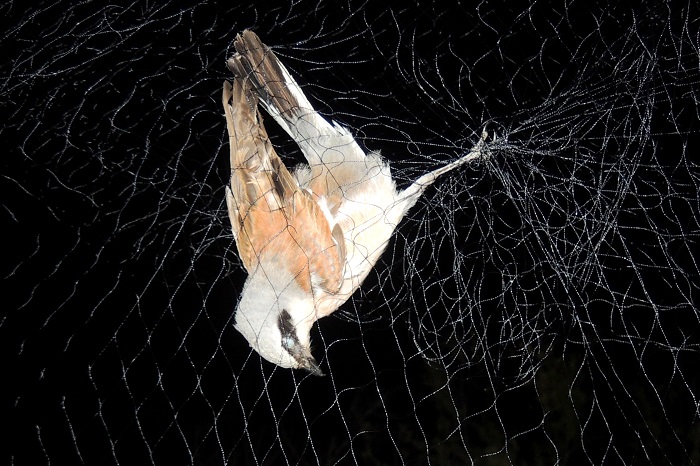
284,322
287,330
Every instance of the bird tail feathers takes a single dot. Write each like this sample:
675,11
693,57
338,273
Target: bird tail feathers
321,142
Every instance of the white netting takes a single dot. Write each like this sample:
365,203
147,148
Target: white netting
538,307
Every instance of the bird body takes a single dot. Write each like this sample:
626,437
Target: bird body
309,238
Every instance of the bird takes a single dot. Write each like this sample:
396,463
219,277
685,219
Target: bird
308,237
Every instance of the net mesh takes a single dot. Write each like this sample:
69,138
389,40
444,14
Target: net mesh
536,307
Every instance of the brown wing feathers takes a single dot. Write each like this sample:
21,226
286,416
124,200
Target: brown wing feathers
255,60
269,213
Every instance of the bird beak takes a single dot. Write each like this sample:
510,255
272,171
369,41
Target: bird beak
309,363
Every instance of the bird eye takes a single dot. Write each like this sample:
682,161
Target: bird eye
288,331
287,342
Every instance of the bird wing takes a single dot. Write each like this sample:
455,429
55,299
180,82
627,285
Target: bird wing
270,215
335,159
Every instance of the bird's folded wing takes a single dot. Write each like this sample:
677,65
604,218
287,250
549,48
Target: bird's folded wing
280,93
328,148
270,215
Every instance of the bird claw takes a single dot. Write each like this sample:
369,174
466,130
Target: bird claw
482,150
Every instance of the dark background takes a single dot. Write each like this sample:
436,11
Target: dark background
537,307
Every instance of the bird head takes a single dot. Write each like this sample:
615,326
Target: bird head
275,315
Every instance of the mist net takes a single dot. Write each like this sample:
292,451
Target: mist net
536,307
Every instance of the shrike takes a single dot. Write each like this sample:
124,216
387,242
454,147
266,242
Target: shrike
308,238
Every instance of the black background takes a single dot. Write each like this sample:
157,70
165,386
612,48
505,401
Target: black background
538,307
